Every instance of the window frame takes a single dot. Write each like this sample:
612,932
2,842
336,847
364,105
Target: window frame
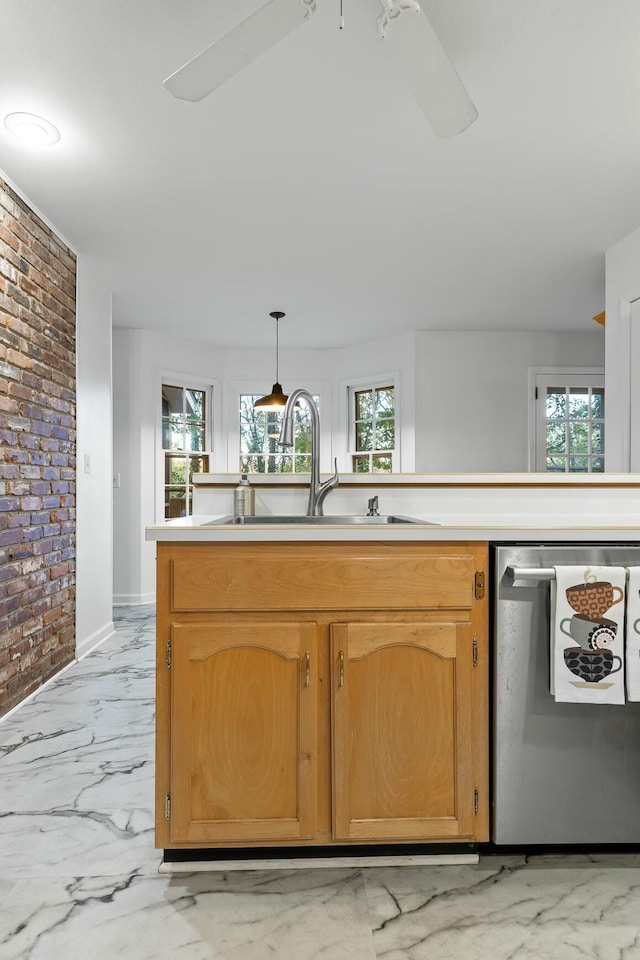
234,389
354,386
539,379
275,452
211,436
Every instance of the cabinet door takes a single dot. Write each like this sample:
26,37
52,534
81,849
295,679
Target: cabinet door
401,727
243,731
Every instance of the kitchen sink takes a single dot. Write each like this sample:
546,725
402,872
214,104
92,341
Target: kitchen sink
336,520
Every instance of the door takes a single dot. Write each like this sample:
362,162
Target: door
243,731
402,731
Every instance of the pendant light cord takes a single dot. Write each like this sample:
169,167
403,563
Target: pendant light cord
277,347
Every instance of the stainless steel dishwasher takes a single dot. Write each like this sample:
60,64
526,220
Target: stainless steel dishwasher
562,773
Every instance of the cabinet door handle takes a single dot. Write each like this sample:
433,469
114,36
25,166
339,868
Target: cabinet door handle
307,668
341,674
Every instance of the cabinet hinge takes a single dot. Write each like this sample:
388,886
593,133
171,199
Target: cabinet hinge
169,652
479,585
476,800
167,807
475,651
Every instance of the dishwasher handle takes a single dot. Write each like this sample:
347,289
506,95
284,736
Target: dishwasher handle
531,573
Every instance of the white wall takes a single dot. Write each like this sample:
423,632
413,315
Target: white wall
472,394
94,537
128,529
140,360
468,386
622,286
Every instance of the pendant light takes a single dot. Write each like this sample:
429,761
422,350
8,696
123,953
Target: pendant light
275,400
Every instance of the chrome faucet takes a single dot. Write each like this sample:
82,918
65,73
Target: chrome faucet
317,491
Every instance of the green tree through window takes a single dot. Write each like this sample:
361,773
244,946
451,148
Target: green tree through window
260,451
575,429
184,433
374,430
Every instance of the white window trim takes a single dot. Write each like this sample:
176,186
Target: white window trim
231,417
213,432
345,429
537,433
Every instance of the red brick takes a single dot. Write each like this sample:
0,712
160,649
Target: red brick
37,425
6,236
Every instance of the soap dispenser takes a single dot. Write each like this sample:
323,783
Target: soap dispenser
244,498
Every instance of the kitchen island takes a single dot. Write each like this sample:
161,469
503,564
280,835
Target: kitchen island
327,685
321,693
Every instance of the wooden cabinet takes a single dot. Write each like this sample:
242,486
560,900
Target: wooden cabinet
321,693
401,731
243,731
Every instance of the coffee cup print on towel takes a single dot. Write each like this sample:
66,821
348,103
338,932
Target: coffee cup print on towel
591,666
590,634
593,599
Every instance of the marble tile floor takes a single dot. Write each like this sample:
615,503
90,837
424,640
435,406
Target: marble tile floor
79,875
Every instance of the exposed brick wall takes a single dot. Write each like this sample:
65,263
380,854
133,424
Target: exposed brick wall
37,439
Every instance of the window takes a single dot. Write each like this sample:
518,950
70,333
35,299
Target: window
569,422
373,429
260,451
185,429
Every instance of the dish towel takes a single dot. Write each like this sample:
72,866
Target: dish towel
587,634
632,638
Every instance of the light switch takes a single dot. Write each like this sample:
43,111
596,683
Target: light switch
87,463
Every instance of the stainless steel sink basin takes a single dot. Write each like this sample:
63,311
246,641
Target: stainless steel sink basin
336,520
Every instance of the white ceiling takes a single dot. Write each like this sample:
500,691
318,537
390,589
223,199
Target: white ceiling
311,183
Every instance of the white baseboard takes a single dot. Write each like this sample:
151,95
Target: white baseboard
83,647
42,686
320,863
133,599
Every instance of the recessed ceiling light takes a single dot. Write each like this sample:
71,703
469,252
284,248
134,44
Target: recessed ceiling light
32,130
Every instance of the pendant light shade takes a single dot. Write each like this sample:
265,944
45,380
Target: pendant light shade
275,400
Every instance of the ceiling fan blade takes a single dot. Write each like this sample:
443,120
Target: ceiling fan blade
421,60
238,48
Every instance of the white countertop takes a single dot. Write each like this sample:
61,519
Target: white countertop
499,528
